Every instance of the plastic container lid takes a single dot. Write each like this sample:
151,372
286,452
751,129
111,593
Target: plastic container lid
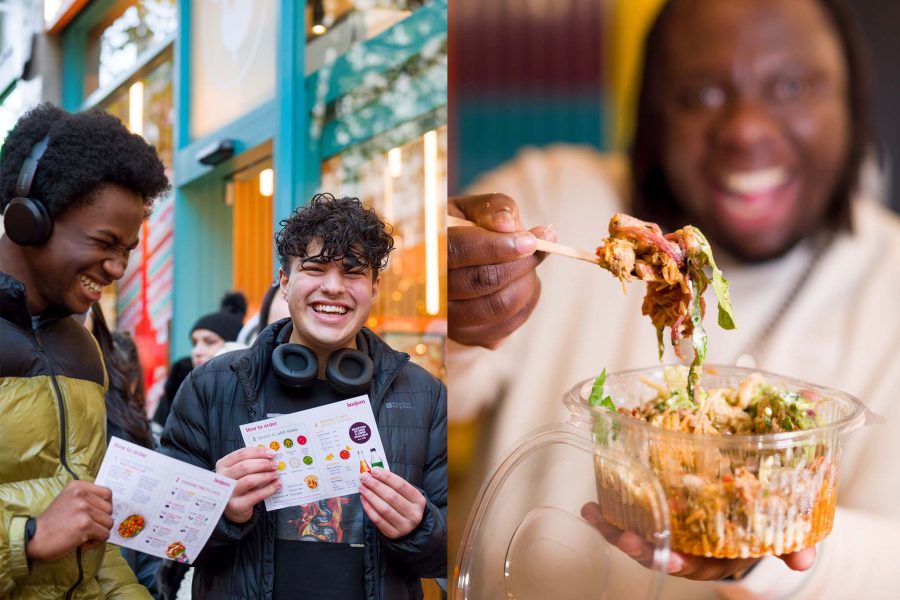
526,538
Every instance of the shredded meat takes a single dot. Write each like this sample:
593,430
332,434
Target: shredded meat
637,249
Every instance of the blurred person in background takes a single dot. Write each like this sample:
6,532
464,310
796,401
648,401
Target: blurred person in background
212,331
74,190
272,308
125,415
753,123
208,335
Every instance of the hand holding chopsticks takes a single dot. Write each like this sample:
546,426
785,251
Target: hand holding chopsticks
542,245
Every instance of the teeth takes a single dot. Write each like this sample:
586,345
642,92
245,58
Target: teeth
90,285
329,308
755,182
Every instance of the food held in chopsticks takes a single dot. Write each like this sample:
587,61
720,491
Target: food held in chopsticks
677,268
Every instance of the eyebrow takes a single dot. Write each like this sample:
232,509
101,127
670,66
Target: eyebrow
116,240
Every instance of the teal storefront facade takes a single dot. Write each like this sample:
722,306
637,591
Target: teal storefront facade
253,112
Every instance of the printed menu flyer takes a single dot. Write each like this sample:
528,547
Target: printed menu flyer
161,506
320,452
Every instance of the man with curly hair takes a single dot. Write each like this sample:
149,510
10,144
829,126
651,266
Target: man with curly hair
366,546
74,190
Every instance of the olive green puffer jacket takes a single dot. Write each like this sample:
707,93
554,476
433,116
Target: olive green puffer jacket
52,430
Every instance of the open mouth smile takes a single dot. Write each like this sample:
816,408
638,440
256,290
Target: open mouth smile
91,285
329,309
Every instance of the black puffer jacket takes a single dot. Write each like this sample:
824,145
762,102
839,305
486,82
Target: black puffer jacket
410,407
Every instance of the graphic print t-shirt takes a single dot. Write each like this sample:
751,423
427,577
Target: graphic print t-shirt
318,546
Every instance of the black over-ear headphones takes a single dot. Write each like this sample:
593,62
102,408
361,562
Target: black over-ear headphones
26,220
348,371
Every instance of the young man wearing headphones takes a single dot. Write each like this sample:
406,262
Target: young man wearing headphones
74,191
374,545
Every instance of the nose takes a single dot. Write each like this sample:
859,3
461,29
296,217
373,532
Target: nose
747,124
197,353
115,266
333,282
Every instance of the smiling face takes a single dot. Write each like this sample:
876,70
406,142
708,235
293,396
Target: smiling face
756,123
89,249
328,302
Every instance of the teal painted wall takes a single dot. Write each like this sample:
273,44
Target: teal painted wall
203,227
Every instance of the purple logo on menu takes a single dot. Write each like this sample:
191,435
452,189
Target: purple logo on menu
360,432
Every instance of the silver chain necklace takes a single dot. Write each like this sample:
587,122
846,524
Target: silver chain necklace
756,348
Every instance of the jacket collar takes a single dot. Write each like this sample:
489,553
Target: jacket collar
251,365
14,307
12,301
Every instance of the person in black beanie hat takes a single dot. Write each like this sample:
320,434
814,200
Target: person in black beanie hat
211,331
208,335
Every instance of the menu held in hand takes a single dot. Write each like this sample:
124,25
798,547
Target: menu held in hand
161,506
320,452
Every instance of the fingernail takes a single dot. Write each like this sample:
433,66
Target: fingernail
365,478
526,243
675,565
550,233
269,453
503,217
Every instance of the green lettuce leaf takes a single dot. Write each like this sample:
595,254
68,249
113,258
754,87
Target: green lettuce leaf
597,397
698,337
719,283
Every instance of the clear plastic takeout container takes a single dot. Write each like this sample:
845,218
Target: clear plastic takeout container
526,538
727,496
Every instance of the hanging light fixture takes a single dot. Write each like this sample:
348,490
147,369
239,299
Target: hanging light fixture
267,182
432,267
395,162
136,108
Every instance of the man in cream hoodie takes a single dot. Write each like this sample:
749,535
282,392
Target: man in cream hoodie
752,124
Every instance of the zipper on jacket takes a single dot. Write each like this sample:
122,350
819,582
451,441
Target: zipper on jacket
80,574
60,403
62,446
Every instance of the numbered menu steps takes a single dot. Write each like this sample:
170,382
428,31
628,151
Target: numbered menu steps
320,452
161,506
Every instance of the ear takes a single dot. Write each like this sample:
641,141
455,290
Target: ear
375,286
283,279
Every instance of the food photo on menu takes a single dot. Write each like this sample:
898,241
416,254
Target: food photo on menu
161,506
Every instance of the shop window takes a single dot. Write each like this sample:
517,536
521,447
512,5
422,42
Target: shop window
333,26
232,61
130,28
145,106
141,302
406,184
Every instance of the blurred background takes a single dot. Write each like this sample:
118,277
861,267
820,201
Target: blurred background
543,71
254,106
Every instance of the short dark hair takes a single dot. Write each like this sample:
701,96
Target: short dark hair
349,232
86,151
265,307
652,199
